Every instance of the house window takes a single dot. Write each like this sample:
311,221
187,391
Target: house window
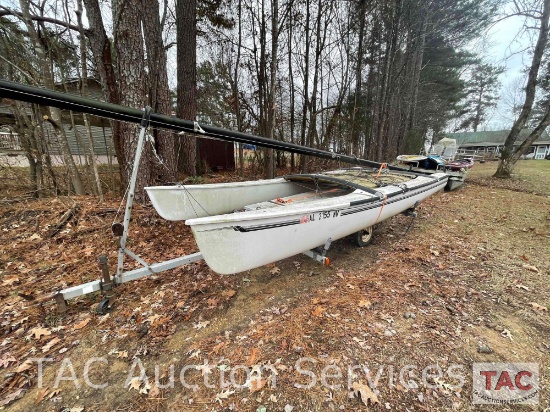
541,152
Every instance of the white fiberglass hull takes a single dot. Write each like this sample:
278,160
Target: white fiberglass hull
241,241
184,202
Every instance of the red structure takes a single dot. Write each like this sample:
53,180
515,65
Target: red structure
218,155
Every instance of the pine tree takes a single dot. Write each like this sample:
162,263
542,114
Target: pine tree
482,95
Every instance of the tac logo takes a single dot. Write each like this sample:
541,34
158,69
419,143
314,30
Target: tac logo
505,383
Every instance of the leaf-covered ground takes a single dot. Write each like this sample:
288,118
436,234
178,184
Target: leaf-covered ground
466,281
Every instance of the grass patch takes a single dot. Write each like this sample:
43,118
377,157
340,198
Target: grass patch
529,176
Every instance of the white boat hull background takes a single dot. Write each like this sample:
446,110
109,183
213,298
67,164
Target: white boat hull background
182,202
242,241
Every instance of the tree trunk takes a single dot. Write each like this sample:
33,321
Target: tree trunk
319,46
103,57
415,64
158,91
508,157
269,172
303,158
26,130
131,77
355,127
386,95
292,90
234,82
186,26
40,141
84,91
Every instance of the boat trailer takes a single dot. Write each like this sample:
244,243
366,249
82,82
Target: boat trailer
108,283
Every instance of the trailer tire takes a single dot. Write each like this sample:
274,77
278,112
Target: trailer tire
364,236
103,307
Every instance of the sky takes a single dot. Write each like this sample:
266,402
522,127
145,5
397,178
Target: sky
507,45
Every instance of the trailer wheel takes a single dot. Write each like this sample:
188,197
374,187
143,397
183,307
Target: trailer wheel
364,237
103,307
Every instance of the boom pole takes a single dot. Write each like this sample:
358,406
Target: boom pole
46,97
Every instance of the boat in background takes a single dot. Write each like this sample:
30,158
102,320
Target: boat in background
445,148
320,207
460,164
455,169
430,162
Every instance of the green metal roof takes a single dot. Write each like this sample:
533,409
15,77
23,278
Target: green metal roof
492,136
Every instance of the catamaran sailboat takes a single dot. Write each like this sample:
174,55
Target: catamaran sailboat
241,226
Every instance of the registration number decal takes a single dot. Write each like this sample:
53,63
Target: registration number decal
312,217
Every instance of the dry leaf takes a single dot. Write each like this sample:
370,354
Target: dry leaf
201,325
318,311
275,271
50,344
223,395
6,360
25,366
254,355
135,383
153,318
53,393
228,293
205,368
257,385
9,280
520,286
217,348
531,268
154,392
123,354
213,302
536,306
38,332
11,397
40,395
104,318
364,393
82,324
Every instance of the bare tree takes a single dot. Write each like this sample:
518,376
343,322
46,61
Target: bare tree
509,156
55,114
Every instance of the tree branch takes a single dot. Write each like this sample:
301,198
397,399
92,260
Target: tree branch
9,12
